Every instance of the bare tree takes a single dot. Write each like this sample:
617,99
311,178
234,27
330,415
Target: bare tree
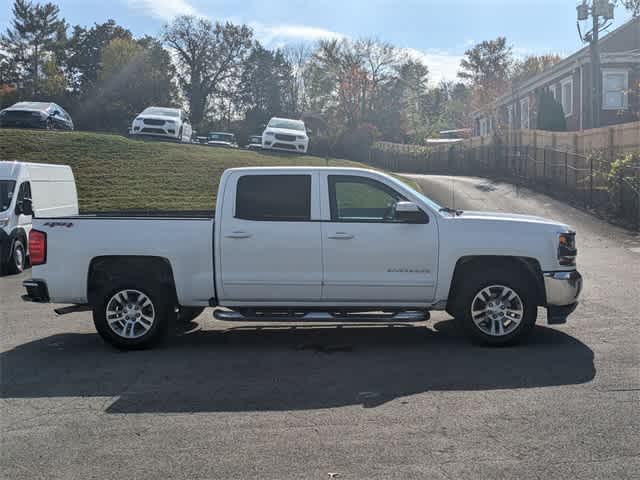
209,58
632,5
297,56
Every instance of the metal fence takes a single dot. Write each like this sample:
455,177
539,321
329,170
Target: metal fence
579,179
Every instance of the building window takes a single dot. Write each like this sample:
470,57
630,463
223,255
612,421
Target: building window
524,113
553,90
510,116
615,84
566,89
486,126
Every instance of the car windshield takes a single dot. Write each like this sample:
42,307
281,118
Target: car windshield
166,112
35,106
287,124
221,137
6,193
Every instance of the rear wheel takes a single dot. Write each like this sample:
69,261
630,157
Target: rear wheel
497,307
132,317
18,258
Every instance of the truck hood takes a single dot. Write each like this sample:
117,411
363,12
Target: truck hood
511,217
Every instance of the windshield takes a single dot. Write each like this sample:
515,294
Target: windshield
167,112
221,137
32,106
287,124
6,193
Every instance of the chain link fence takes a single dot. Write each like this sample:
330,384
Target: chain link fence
585,180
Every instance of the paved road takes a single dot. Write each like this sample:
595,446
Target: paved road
366,403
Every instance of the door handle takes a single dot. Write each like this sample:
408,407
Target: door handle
341,236
238,234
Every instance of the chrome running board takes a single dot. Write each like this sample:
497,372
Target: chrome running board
297,316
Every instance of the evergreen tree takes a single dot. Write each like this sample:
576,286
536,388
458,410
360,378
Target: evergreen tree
550,113
36,36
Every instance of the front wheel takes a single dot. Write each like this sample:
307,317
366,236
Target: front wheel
18,258
498,307
132,317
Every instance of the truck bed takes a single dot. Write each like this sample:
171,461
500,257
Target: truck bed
183,239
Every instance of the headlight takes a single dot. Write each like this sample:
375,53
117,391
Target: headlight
567,250
301,137
170,121
269,134
4,222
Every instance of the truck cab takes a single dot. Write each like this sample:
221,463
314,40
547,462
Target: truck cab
27,190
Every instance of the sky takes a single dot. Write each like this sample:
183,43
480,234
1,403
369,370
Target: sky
436,31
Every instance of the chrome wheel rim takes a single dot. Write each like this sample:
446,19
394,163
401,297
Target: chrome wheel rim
18,256
130,314
497,310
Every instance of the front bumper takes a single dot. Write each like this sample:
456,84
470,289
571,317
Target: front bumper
271,143
562,291
5,249
36,291
167,131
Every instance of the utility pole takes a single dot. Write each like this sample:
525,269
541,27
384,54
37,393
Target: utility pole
596,80
597,9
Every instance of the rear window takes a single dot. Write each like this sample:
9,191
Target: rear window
284,198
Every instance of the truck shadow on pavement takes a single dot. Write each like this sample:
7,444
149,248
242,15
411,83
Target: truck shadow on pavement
247,369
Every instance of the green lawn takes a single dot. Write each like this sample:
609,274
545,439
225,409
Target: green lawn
116,173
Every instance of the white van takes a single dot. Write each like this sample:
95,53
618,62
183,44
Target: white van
26,190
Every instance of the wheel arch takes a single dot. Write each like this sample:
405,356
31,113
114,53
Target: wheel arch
108,269
528,266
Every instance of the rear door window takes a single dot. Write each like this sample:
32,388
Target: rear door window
271,198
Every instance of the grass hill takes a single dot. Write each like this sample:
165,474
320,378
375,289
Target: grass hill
117,173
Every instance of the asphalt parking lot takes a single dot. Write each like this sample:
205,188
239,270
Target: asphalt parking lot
222,401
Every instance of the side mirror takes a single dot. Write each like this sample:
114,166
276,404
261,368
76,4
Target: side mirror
409,212
57,113
25,207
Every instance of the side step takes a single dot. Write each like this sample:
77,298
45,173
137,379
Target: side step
366,317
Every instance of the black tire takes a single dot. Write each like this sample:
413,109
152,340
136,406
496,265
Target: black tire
156,333
513,279
188,314
17,258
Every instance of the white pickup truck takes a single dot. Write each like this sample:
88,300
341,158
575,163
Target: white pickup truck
308,244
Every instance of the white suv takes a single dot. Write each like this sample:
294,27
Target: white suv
162,122
285,134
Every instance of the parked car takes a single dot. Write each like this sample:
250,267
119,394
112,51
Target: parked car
163,122
308,244
222,139
255,142
27,188
285,134
47,115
